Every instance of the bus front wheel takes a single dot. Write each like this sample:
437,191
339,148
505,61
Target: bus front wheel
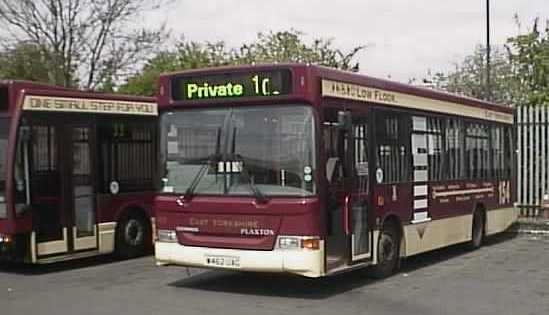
131,235
388,246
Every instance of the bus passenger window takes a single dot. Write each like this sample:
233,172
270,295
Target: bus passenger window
126,155
434,148
393,152
498,154
360,130
477,150
454,154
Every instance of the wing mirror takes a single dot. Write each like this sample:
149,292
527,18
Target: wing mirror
344,120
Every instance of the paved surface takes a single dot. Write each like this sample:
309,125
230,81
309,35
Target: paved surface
532,226
510,275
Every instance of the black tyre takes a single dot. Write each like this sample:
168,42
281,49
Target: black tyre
388,252
477,230
132,235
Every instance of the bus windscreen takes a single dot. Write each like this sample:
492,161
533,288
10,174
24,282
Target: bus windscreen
232,85
240,151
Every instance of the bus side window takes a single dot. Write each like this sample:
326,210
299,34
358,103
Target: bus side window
126,155
392,149
360,137
332,146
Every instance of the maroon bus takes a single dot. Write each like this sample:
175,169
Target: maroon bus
76,173
313,171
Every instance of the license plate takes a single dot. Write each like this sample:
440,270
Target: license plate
223,261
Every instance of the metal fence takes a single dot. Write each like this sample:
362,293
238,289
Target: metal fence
532,125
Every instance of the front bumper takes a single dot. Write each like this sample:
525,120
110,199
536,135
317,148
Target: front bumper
308,263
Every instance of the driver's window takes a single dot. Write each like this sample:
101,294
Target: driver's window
21,170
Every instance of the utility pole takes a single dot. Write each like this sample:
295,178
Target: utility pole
488,83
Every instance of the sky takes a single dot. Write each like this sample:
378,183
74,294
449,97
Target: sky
405,39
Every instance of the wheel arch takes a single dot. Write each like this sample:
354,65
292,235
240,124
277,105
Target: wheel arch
128,208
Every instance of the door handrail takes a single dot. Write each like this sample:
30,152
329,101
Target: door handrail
346,212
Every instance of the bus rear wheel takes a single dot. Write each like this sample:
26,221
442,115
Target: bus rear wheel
132,234
388,246
477,233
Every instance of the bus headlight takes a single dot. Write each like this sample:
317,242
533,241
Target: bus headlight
4,238
298,242
288,242
168,236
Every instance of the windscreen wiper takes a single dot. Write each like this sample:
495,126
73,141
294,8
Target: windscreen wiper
211,159
189,193
259,196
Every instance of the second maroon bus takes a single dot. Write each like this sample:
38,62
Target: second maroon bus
76,173
314,171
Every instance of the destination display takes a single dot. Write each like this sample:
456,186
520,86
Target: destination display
81,105
232,85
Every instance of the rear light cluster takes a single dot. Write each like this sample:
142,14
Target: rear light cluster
298,242
167,236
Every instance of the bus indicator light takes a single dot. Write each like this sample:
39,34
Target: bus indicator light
380,201
311,243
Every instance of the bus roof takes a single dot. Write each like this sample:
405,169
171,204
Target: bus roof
349,79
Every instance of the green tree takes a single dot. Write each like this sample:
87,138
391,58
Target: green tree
520,72
89,43
25,61
469,77
530,62
289,46
186,55
272,47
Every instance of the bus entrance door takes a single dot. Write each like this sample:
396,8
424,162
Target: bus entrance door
347,171
84,228
62,191
357,213
39,156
